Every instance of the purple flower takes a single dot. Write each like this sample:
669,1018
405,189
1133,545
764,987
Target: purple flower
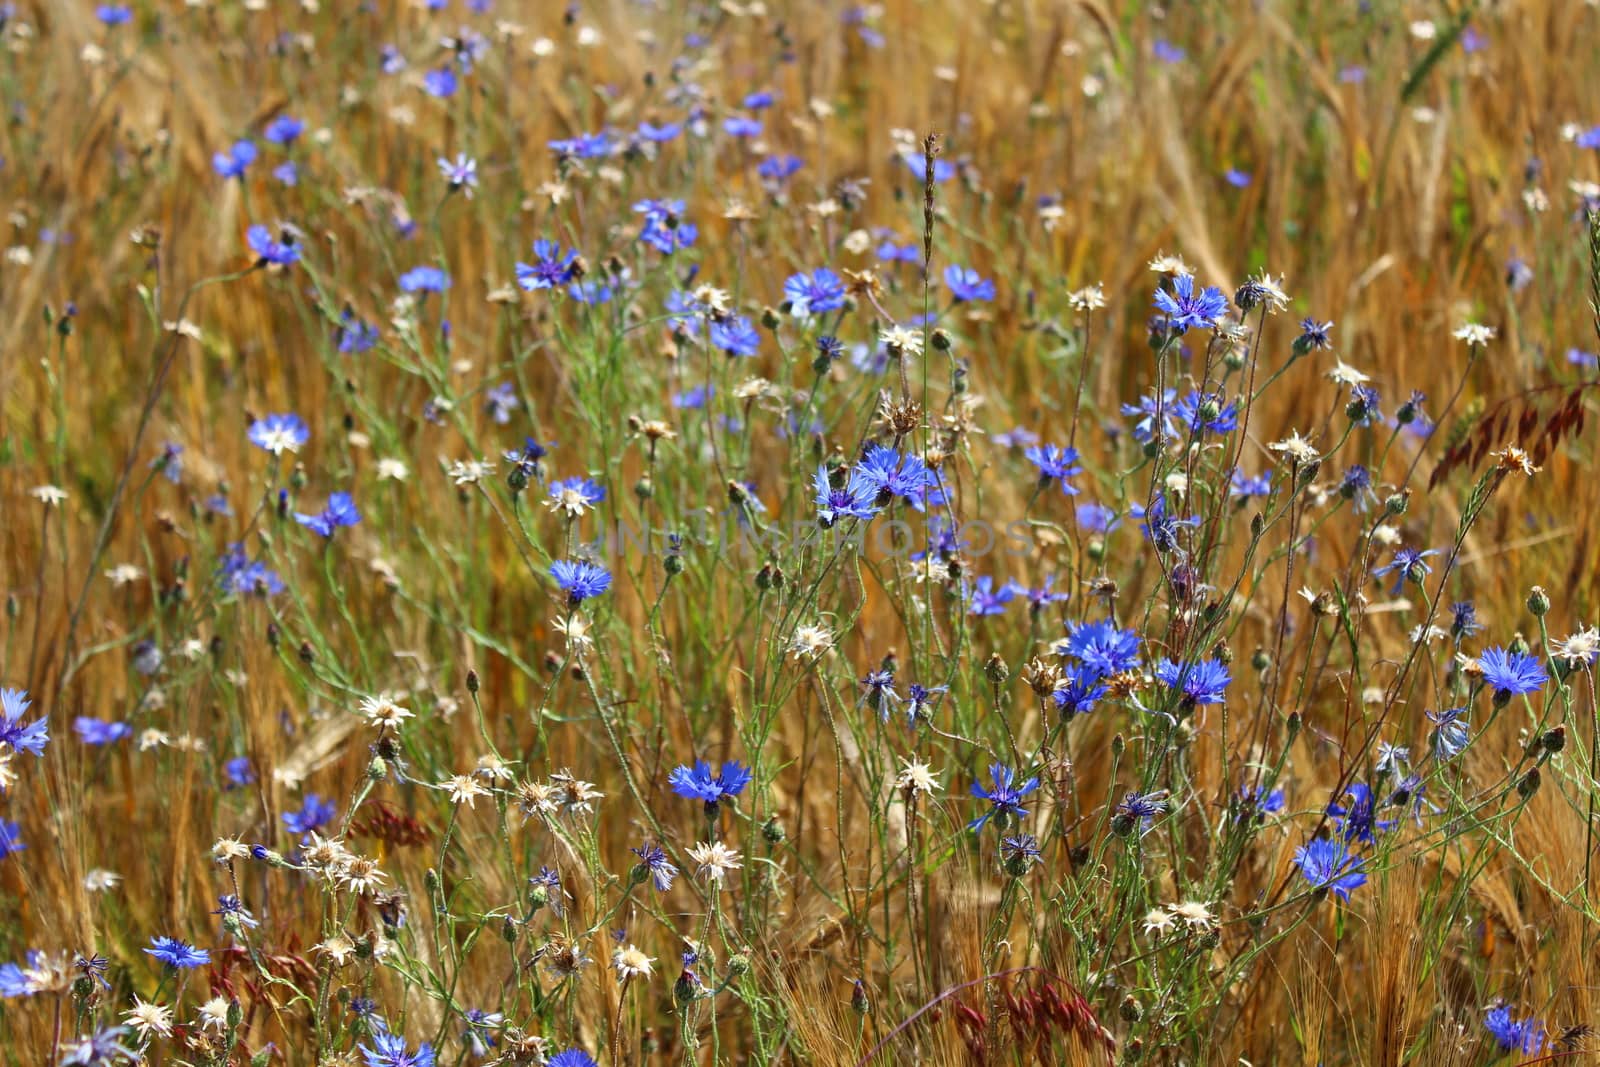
967,285
580,580
99,731
1185,308
424,279
21,737
1511,673
440,82
987,600
340,511
176,954
235,161
1055,464
1328,864
550,267
820,291
284,130
281,251
1004,796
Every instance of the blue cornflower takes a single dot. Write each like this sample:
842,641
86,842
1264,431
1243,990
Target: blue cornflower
1043,594
391,60
1451,737
1079,689
500,402
894,475
99,731
235,161
1365,405
667,131
1004,797
1246,485
878,692
1328,864
736,335
1055,464
114,14
920,700
694,398
1160,526
1464,619
775,170
230,905
1512,1034
917,164
340,511
103,1048
987,600
1139,809
550,881
284,130
855,499
584,146
1358,819
314,813
242,576
1096,517
551,267
664,228
1510,673
1018,853
389,1050
1206,413
966,284
759,100
685,312
698,783
580,580
280,251
353,335
1239,179
287,173
890,252
1101,647
10,839
1014,437
1202,682
1184,308
177,954
1167,52
424,280
1356,485
1144,430
1313,336
238,772
1259,801
145,657
814,293
1407,563
575,495
480,1030
741,126
440,82
528,456
22,737
572,1057
591,291
655,862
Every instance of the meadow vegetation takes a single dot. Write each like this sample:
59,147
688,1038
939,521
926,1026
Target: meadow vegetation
626,532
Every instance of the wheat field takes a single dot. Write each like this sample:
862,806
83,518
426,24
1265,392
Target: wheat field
660,531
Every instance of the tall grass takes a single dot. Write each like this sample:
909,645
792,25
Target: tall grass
1169,748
